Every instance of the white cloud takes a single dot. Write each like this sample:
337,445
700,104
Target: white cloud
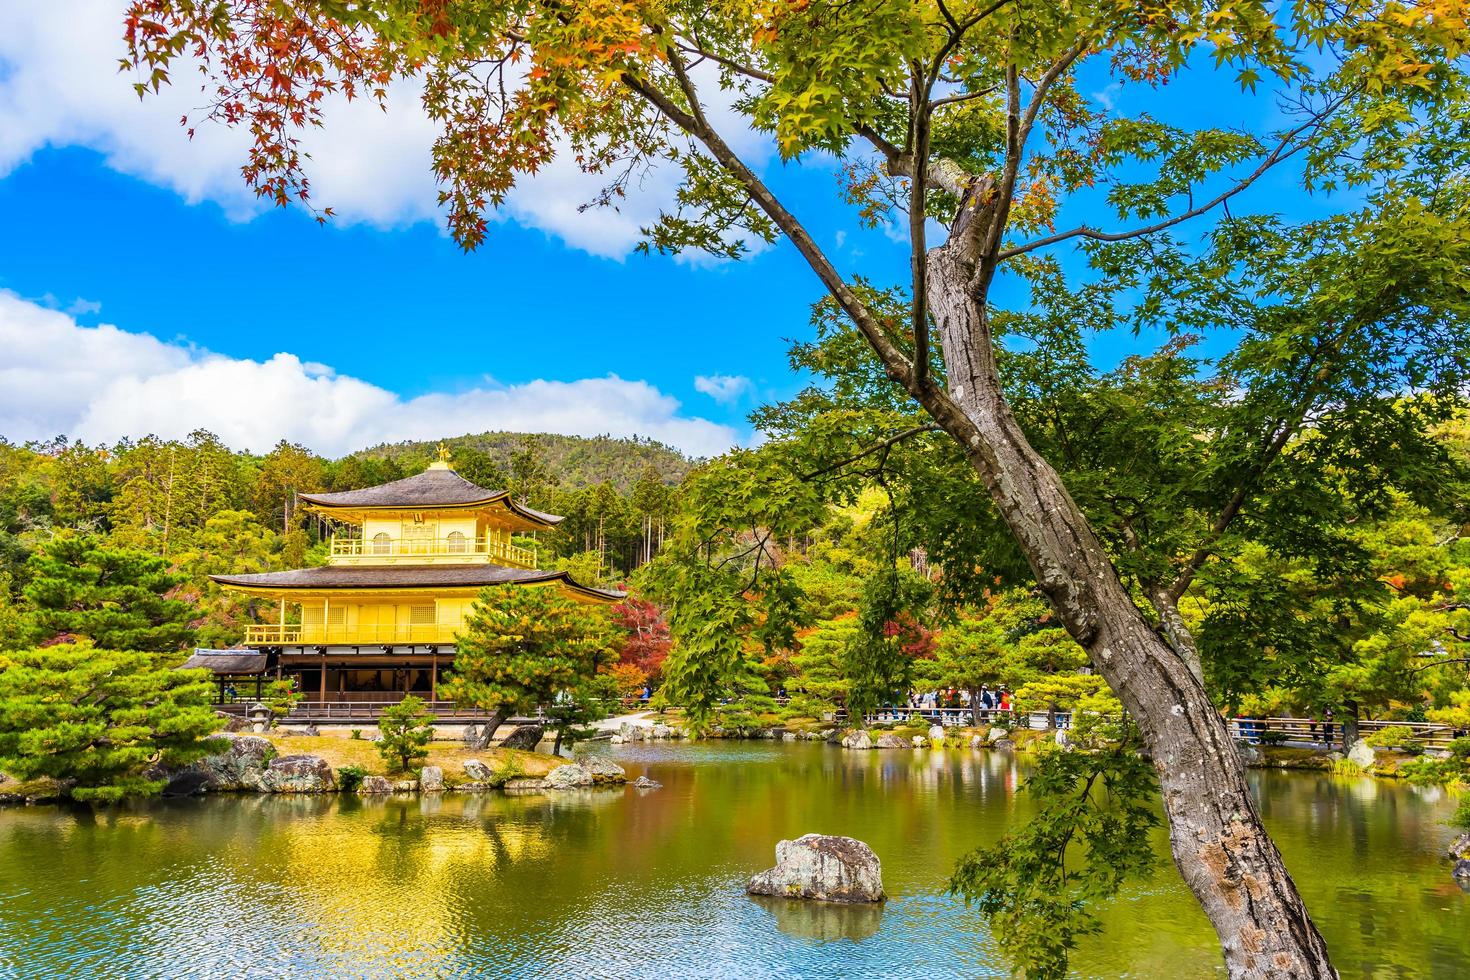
59,86
722,388
102,383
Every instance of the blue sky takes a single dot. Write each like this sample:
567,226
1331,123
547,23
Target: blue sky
258,323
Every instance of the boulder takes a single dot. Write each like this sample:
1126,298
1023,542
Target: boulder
1462,871
662,732
298,774
527,783
603,770
1004,745
405,786
616,739
471,787
1460,847
471,736
12,799
374,786
920,741
788,736
1362,754
976,742
1063,740
569,776
830,735
632,732
189,781
525,738
643,782
241,766
233,723
888,740
995,734
857,739
1250,754
431,779
822,867
936,733
477,770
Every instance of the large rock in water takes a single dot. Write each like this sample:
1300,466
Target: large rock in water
240,767
374,786
936,734
857,740
431,779
1362,755
888,740
603,770
570,776
822,867
299,774
525,738
477,771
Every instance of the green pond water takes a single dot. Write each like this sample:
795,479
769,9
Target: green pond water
625,883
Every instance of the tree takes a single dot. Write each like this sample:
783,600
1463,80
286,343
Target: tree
231,542
520,646
103,721
287,470
404,733
646,645
971,115
117,598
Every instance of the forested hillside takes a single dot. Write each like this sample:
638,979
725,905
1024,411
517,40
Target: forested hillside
576,461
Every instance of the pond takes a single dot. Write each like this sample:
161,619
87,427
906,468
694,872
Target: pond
628,883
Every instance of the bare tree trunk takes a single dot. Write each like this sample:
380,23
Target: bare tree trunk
1219,845
497,718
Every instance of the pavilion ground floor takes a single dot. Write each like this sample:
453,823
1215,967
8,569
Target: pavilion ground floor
333,683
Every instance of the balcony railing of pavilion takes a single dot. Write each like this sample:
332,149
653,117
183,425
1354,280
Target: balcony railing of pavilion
278,635
384,547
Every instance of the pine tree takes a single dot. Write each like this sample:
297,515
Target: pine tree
520,646
117,598
106,719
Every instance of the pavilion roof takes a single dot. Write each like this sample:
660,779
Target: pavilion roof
437,486
226,661
407,577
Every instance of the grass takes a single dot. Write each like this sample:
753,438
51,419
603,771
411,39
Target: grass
449,756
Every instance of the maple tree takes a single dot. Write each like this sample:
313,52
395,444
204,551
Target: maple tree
967,113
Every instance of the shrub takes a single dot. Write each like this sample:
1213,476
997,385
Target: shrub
1412,746
1274,738
1460,819
404,734
1426,770
357,734
350,777
1460,748
1391,736
282,698
510,769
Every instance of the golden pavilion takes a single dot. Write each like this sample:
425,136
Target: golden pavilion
405,563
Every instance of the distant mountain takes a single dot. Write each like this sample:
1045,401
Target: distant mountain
575,460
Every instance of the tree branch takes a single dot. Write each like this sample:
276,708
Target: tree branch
876,447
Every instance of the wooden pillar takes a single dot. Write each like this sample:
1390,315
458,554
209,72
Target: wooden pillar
324,678
434,675
258,678
326,619
281,636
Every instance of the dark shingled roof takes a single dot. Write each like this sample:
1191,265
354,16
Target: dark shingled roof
226,661
431,488
404,577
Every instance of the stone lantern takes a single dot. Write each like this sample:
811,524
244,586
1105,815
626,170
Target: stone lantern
259,717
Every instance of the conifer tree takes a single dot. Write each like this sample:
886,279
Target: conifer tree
104,721
520,646
119,599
